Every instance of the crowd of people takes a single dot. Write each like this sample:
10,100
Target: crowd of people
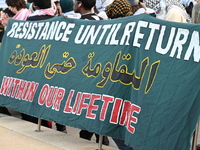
184,11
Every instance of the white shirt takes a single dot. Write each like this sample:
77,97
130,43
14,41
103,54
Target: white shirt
101,4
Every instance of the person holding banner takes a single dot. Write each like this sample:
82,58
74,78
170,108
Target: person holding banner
40,13
119,9
1,27
43,11
86,9
68,10
18,7
5,12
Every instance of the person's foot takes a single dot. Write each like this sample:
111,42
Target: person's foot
4,110
61,128
64,131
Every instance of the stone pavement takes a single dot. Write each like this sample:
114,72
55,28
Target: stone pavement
17,134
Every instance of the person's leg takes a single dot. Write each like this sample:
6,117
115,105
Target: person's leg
61,127
4,110
120,144
34,120
85,134
105,140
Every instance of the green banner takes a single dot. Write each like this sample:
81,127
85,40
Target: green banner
134,78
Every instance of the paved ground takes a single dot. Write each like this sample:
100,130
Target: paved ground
17,134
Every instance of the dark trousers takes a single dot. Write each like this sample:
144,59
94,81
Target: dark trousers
34,120
88,135
4,110
60,127
120,144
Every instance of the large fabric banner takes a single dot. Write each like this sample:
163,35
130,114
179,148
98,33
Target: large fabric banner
134,78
